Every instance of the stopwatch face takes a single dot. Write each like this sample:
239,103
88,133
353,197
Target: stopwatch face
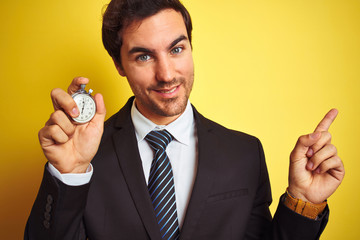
86,106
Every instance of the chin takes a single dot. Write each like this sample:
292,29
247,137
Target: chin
170,108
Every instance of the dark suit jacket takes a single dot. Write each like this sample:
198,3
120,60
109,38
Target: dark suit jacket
230,197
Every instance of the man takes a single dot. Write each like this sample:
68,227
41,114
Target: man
217,178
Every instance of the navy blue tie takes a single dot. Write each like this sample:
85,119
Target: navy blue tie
161,185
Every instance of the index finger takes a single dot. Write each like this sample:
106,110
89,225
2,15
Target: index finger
76,84
325,123
63,101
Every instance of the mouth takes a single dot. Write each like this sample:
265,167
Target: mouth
168,92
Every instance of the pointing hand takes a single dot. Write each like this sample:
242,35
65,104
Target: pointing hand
316,170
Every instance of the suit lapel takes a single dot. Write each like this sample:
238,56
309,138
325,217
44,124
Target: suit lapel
207,159
128,155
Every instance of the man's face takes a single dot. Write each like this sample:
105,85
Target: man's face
157,60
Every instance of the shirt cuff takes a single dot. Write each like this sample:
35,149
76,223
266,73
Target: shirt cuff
72,179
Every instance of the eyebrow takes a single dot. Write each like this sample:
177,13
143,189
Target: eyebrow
146,50
176,41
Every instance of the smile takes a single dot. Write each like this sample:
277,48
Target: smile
168,91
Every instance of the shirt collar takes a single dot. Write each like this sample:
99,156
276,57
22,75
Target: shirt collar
181,128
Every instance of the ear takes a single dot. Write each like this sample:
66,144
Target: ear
119,68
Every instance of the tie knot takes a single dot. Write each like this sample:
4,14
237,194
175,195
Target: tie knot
159,140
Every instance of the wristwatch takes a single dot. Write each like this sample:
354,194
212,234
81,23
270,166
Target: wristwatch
307,209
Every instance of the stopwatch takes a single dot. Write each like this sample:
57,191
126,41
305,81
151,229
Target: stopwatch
85,104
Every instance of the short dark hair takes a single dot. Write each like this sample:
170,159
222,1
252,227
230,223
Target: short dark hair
119,14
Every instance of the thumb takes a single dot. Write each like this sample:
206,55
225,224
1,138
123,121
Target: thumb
100,110
303,144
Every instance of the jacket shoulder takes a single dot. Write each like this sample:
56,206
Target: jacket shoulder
119,120
224,132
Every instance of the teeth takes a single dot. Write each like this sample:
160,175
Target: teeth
170,91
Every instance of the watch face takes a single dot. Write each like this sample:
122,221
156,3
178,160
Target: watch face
86,106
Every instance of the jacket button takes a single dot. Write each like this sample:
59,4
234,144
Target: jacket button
48,207
47,216
46,224
50,199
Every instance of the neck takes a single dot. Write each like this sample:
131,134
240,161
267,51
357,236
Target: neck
159,120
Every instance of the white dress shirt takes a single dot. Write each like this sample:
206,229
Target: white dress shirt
182,153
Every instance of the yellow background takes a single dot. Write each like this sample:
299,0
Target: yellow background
269,68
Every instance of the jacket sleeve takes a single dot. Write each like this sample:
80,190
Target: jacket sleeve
286,224
58,211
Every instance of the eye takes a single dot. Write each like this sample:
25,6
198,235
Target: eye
143,58
176,50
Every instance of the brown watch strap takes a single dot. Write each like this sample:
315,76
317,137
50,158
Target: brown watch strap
306,209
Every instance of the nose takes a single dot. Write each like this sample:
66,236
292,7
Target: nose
165,69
